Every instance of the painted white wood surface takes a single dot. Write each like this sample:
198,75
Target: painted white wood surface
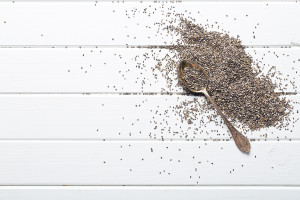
148,163
105,23
149,193
112,70
50,134
118,117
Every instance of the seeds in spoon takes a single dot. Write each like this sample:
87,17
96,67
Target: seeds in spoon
195,78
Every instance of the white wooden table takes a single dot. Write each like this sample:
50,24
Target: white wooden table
67,133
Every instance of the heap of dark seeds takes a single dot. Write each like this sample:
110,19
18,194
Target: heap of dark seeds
235,82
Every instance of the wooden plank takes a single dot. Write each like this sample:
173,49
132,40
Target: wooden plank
148,163
104,23
102,70
147,193
119,117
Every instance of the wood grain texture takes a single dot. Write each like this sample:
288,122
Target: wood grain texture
114,70
148,193
106,23
119,117
147,163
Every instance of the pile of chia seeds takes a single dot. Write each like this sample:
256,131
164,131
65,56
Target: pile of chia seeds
236,83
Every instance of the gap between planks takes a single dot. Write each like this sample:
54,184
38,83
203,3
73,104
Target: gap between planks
185,186
145,140
151,1
291,45
153,141
119,93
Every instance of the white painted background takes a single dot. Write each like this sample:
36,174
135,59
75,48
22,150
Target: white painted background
67,133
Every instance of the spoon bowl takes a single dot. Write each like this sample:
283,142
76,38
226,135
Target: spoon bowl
189,64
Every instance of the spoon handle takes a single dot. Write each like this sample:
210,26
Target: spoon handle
240,140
